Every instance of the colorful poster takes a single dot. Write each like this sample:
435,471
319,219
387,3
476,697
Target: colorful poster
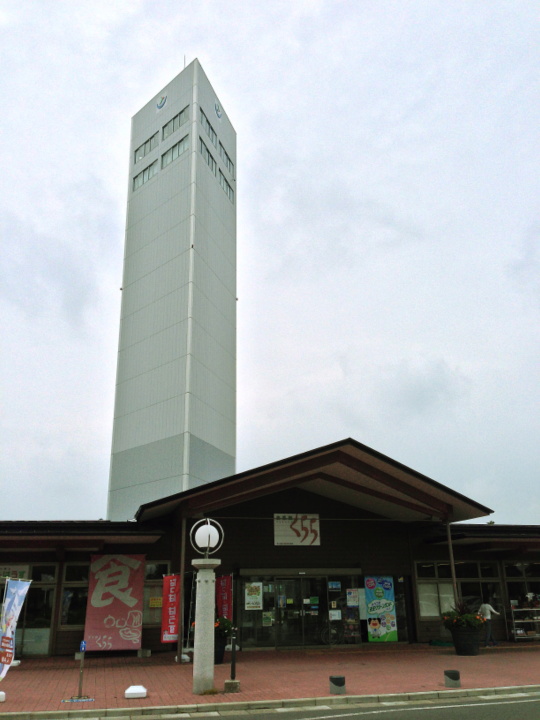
115,602
254,596
381,609
15,593
352,597
170,608
224,596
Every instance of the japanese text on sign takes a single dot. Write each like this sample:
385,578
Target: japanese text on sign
296,529
170,613
115,602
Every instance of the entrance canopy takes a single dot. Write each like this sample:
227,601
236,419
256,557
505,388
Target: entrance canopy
346,471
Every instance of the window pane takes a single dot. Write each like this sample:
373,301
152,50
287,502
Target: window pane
156,571
39,602
77,573
43,573
512,570
532,570
428,599
152,598
74,606
516,593
489,570
466,570
443,570
446,595
425,570
471,595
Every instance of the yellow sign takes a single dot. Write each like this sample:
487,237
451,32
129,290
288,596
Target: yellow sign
155,602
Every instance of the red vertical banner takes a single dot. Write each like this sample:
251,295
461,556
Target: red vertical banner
115,602
224,596
170,609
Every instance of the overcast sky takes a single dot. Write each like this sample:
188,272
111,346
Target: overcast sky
388,232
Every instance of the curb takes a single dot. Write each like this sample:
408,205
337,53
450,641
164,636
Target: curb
173,711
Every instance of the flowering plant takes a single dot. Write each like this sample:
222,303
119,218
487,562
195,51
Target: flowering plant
223,626
460,617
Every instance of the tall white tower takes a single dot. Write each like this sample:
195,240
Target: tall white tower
175,407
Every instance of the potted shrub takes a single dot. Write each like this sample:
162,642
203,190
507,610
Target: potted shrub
466,629
222,630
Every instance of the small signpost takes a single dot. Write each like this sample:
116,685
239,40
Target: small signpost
80,697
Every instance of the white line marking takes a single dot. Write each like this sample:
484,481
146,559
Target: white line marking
359,713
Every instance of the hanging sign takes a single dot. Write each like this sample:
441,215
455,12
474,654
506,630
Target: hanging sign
170,608
381,609
115,602
15,572
224,596
15,593
254,596
296,529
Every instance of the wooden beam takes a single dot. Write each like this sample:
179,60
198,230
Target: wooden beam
422,509
442,508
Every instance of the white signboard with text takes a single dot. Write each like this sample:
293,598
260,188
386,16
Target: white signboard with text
296,529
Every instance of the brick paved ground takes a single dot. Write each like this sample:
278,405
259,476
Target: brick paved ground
42,684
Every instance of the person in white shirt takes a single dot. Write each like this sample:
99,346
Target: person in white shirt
485,610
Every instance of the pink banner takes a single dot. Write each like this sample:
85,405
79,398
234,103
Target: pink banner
115,602
170,609
224,596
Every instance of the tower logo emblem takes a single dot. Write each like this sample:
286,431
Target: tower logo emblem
219,111
161,102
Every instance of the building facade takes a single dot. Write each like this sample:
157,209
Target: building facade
175,404
304,536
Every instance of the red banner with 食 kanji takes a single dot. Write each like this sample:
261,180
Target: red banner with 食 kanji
115,602
170,609
224,596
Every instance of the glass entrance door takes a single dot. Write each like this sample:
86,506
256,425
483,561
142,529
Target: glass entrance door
301,611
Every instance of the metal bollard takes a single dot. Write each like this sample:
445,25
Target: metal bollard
233,654
337,685
452,679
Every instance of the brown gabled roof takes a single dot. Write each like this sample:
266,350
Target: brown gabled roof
346,471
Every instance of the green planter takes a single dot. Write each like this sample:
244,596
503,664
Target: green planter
467,640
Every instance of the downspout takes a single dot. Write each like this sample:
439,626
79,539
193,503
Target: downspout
179,649
452,563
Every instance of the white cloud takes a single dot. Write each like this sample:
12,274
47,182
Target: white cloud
388,231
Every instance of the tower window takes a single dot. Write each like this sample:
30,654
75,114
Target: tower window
146,147
226,159
175,151
145,175
208,129
229,192
175,123
208,157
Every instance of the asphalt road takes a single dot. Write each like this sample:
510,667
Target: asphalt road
517,707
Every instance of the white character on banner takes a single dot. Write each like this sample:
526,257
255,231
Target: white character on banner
112,575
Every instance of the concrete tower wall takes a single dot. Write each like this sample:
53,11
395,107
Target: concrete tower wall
175,409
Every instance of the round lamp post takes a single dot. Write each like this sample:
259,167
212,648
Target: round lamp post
206,537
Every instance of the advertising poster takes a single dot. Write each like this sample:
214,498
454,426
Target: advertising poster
115,602
381,609
224,596
15,593
254,596
170,608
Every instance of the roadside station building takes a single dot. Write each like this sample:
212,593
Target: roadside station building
303,533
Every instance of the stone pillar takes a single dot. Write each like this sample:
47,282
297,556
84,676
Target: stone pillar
203,649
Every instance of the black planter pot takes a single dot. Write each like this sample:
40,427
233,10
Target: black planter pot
219,649
467,640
